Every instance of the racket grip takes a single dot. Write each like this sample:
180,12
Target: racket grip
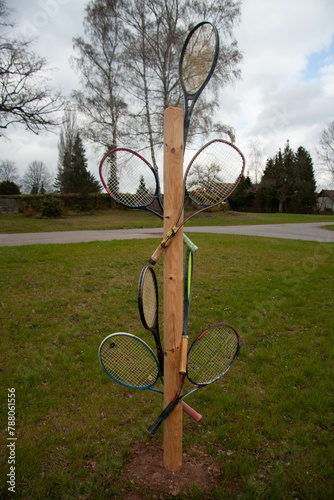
183,356
162,417
189,244
191,412
168,410
161,248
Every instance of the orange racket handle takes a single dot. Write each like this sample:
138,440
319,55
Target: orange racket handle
183,356
191,412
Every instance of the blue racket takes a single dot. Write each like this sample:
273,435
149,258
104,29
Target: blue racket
129,361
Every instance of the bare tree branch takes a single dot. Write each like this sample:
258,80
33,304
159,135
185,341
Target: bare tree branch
25,95
326,150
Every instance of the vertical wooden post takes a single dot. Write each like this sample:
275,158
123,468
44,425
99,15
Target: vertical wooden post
173,283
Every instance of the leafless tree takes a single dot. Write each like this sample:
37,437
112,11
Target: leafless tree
326,150
25,95
37,179
8,171
156,30
129,67
255,161
102,73
67,136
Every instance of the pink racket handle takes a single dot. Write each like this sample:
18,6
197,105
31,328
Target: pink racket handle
190,412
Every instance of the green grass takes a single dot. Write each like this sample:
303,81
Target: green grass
121,219
267,425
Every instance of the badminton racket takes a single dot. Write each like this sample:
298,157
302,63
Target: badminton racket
198,60
148,300
133,183
209,357
211,176
129,361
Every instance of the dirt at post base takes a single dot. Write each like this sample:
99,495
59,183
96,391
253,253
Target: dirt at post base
147,470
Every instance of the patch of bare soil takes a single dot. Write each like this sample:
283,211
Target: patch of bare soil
146,468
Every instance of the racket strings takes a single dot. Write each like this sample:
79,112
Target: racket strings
150,299
214,173
198,58
128,178
212,354
129,361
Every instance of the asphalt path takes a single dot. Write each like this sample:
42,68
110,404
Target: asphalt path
307,231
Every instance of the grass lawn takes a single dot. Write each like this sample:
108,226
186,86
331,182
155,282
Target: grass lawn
121,219
267,425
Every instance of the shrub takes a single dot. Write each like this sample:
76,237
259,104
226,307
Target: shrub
28,212
9,187
51,207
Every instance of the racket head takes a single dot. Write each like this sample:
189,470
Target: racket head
198,59
214,172
212,354
129,178
148,298
129,361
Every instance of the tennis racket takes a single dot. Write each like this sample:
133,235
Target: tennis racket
148,300
188,281
198,60
129,361
209,357
133,183
211,176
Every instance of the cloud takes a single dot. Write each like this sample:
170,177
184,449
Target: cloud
287,87
286,90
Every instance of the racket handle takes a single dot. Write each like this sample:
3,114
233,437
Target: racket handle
168,410
161,248
162,417
189,244
183,356
191,412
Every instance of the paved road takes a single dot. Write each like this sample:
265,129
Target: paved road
310,232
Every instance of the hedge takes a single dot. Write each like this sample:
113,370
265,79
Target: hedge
72,202
82,202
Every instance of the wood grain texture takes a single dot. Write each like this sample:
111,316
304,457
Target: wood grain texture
173,283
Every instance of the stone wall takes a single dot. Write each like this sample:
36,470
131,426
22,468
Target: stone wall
8,205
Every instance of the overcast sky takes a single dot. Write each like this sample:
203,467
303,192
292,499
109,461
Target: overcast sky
286,90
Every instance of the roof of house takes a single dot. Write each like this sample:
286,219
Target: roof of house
326,193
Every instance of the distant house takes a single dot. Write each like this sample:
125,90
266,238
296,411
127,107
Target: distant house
325,200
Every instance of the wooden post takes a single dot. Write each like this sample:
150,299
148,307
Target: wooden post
173,283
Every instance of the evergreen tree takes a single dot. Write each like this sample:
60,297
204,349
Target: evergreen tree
9,187
142,189
80,179
288,182
278,178
73,174
111,178
305,196
242,198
